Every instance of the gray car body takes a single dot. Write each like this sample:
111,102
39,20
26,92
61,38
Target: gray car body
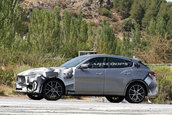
97,81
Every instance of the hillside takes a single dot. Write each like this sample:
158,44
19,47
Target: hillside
92,10
89,8
122,27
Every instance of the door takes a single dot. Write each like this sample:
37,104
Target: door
90,81
118,73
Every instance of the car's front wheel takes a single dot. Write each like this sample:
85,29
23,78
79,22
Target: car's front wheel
135,93
53,90
115,99
35,96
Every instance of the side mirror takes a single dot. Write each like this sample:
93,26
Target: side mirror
137,65
84,66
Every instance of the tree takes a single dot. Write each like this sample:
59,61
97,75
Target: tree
123,6
107,42
161,27
157,27
135,36
56,36
151,27
163,12
75,35
91,42
10,22
83,31
45,31
169,23
137,11
131,41
151,12
128,24
126,45
66,25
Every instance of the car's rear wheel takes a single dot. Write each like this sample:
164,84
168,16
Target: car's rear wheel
35,96
115,99
135,93
53,90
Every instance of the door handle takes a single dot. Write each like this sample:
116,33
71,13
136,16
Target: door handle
127,73
99,73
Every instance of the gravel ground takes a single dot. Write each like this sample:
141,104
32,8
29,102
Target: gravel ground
25,106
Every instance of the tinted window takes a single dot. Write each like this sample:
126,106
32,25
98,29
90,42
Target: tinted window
119,63
73,62
99,62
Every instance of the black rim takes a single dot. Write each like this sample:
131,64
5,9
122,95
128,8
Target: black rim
53,89
137,93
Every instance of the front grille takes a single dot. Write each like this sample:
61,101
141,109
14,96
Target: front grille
21,79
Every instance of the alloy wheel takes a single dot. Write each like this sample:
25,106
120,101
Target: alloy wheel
136,93
53,90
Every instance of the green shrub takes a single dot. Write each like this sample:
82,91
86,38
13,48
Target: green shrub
13,92
105,12
128,24
6,77
2,91
21,68
164,80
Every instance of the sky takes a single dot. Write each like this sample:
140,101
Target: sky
169,0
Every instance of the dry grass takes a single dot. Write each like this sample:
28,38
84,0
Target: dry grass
158,50
21,68
2,91
5,90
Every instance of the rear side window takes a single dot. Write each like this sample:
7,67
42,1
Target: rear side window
98,62
119,63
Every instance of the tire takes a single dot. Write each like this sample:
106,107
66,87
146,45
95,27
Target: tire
115,99
135,93
35,96
53,90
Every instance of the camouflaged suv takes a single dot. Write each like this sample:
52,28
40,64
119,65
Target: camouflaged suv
114,77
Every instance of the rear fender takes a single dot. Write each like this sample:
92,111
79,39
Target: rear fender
136,81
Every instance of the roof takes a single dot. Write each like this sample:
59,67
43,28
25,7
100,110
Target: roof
105,55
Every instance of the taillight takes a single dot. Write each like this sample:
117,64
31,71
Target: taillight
152,74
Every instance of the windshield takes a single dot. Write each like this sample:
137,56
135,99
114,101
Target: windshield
73,62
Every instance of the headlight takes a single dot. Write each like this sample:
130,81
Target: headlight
21,79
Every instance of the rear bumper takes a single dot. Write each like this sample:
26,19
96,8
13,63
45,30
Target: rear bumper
152,85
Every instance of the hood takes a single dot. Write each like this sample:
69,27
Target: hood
39,71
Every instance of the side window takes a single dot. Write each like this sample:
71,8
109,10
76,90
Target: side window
119,63
98,62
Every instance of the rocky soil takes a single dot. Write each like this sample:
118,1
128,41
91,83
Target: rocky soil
89,8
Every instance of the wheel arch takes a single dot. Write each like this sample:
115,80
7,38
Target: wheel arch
136,81
56,79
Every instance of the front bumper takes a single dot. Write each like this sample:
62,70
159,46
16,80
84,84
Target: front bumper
152,85
26,84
